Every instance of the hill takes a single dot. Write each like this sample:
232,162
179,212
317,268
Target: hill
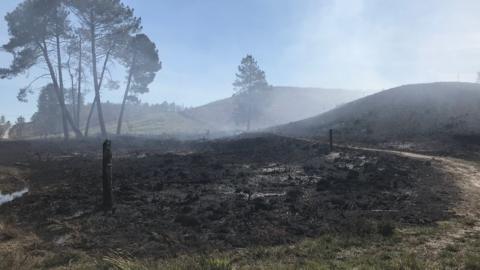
410,111
286,104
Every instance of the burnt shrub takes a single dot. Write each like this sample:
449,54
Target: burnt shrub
386,228
359,226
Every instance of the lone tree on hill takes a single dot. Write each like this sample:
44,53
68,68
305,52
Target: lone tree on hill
249,86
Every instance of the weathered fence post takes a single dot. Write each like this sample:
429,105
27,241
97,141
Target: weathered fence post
107,176
331,139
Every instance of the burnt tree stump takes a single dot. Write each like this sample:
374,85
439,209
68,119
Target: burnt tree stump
107,176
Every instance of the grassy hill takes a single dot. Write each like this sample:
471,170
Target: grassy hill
418,110
286,104
150,120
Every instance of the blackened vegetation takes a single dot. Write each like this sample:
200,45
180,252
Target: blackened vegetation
467,140
227,194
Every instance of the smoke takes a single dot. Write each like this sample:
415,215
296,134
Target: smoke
375,44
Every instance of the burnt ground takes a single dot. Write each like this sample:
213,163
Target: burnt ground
173,197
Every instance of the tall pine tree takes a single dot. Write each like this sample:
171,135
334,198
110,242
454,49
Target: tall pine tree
36,29
249,84
140,57
106,24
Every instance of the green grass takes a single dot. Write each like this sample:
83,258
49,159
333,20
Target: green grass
379,250
401,250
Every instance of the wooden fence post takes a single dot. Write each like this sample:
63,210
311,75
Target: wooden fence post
107,176
331,139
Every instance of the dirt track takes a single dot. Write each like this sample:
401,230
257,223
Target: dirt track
467,177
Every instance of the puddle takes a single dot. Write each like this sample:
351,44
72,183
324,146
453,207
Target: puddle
271,194
332,156
231,191
262,195
4,198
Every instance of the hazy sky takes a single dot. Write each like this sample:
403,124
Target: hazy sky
355,44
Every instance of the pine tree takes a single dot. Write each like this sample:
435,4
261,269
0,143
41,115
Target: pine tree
107,24
249,84
36,29
140,56
20,126
47,119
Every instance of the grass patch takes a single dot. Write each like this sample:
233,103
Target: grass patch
472,261
388,247
186,263
60,259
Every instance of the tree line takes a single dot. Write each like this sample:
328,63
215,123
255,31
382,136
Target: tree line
77,42
47,119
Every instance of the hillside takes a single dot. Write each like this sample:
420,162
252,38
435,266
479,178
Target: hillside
142,119
426,110
286,104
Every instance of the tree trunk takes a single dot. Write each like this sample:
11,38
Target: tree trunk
89,118
66,133
100,83
249,116
95,79
92,108
125,96
56,87
74,97
79,90
72,90
74,105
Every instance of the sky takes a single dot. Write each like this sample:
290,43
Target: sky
351,44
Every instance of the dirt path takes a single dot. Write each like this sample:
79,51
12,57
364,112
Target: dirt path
467,177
